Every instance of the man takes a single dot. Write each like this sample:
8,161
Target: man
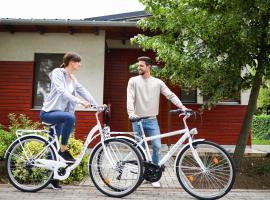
143,94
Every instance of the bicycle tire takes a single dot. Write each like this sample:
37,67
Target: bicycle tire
216,181
17,166
106,179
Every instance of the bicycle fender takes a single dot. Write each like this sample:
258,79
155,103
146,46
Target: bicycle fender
133,142
194,141
20,138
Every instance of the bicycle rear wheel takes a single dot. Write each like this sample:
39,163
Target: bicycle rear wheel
20,168
123,175
213,183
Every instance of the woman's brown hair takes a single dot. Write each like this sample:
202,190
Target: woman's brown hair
70,56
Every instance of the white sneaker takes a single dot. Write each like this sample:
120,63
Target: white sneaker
156,184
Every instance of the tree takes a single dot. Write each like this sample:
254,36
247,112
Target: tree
206,44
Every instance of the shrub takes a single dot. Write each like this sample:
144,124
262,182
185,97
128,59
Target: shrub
6,139
20,121
261,126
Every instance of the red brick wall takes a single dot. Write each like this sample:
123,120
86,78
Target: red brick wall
16,89
222,124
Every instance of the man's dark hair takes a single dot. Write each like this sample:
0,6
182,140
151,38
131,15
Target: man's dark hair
146,59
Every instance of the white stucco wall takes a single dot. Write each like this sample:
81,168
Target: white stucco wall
23,46
120,44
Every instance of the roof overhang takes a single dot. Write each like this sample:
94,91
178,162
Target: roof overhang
116,30
64,22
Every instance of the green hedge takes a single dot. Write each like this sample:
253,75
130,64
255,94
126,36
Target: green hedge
6,138
261,127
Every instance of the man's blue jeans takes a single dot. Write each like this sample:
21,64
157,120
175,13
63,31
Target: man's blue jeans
151,128
64,122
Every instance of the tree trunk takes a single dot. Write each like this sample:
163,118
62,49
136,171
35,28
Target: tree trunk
243,137
257,81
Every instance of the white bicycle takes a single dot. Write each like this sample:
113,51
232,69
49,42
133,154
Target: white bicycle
32,160
204,169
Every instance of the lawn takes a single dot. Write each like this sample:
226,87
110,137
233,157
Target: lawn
260,141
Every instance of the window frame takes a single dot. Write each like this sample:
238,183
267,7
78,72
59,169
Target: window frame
38,57
195,101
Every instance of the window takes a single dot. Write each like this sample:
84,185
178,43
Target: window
188,95
226,101
44,64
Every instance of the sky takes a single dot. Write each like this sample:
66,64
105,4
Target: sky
65,9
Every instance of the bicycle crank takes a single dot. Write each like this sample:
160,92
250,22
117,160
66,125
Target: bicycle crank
152,172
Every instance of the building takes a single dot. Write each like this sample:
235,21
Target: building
30,48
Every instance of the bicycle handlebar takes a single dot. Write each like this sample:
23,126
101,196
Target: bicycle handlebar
187,112
100,108
184,112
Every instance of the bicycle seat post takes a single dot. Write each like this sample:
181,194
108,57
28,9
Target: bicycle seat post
54,134
143,137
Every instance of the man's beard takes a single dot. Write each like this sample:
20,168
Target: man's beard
141,72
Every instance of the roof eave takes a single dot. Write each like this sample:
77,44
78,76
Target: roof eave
59,22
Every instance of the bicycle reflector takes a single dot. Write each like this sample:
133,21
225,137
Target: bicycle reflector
107,180
215,161
190,178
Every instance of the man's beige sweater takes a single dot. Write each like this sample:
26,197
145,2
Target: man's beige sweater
143,96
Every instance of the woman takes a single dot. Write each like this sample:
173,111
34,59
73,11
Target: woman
59,106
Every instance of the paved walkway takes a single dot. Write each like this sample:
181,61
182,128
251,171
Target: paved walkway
90,193
170,189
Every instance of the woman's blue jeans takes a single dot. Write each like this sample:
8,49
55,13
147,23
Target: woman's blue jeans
64,122
151,128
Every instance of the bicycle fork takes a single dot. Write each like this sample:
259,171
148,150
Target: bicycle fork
196,156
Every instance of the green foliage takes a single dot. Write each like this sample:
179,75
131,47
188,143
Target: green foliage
260,141
207,44
20,121
133,68
261,127
6,139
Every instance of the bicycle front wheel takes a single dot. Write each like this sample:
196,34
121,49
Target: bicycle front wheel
213,182
20,168
116,171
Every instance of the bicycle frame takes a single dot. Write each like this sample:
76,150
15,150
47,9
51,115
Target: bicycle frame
187,134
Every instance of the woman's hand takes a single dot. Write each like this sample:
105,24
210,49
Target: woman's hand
86,104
